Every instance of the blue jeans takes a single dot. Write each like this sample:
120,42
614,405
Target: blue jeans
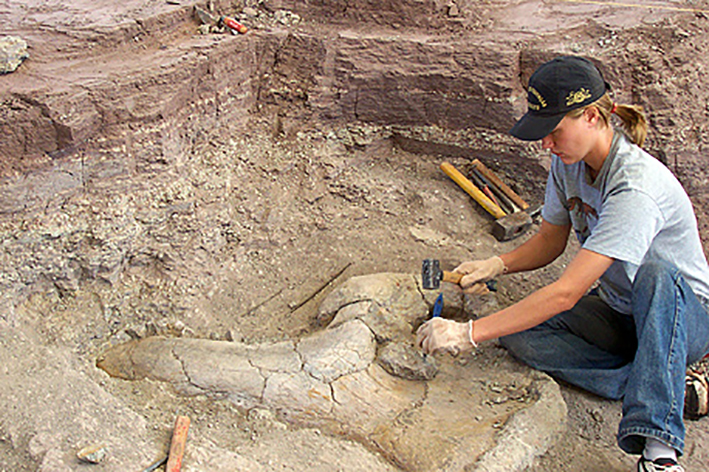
640,358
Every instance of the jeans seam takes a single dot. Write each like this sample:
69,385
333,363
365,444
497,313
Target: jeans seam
672,353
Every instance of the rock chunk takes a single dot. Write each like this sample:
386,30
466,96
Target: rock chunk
404,361
93,454
13,51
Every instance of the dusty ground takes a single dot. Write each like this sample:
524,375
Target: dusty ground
162,181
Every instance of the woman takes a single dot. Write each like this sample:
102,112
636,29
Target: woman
634,334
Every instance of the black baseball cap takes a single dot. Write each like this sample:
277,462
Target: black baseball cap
557,87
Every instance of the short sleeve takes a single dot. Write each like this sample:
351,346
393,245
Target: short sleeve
627,225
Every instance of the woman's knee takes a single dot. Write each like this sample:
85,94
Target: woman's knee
654,272
653,279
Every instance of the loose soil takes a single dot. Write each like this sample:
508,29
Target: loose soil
140,200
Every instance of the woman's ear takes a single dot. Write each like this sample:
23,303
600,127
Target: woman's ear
592,115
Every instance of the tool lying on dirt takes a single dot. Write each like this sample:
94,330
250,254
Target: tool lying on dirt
482,184
472,190
177,445
432,275
506,226
515,224
496,182
207,18
502,200
235,25
156,465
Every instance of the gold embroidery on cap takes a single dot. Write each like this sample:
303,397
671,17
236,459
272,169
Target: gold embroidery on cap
577,97
542,102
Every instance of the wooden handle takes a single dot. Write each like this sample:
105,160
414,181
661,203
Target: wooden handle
177,446
453,277
495,180
472,190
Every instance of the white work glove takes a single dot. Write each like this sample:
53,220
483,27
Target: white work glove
442,335
476,273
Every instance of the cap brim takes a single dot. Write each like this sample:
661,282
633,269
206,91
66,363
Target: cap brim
534,127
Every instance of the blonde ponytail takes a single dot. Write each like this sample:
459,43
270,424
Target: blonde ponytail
633,117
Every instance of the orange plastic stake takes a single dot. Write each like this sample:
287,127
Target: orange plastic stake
177,446
235,25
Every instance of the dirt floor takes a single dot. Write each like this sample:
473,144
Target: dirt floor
156,180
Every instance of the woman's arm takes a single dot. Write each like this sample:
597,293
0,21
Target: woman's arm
562,295
541,249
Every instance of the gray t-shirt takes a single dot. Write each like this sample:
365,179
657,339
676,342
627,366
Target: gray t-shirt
635,211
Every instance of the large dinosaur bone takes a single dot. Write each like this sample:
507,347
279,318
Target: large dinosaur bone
330,379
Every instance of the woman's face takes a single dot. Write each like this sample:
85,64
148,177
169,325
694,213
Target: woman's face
572,138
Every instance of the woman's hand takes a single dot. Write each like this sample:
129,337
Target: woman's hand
442,335
476,273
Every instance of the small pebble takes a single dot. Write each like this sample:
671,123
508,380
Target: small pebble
93,454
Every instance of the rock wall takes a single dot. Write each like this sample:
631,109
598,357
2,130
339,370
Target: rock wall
156,76
146,76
